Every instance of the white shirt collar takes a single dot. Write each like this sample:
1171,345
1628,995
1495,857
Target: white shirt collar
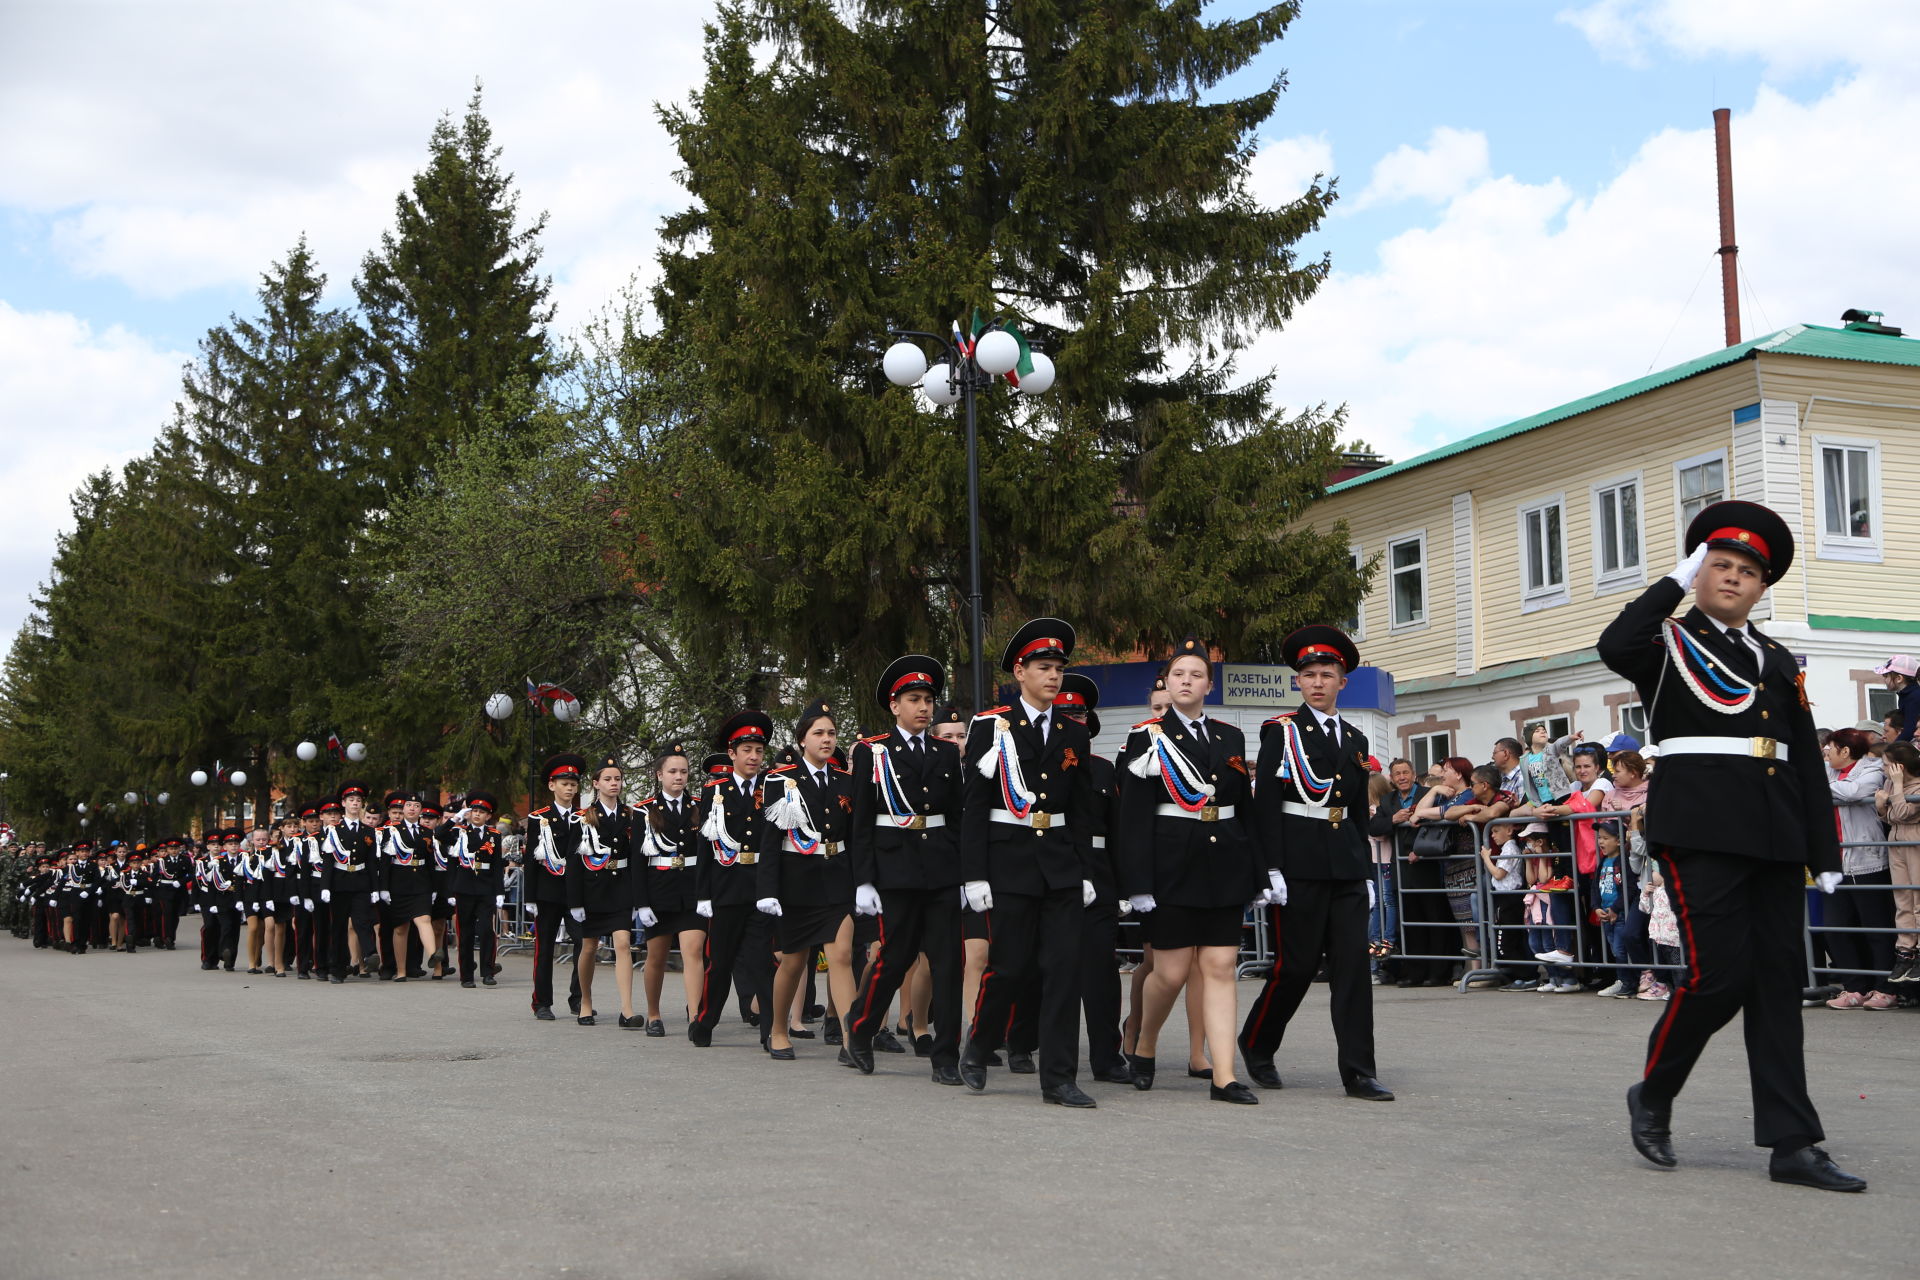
1033,713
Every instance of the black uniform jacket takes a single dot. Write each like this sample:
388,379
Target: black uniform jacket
1779,810
547,885
1312,848
1187,862
474,866
661,832
735,881
1021,859
609,887
824,877
887,853
1103,850
357,842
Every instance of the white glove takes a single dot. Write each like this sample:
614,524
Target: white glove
579,915
771,906
1142,902
1827,881
979,895
1126,906
704,907
533,911
213,908
1685,572
386,896
452,901
499,900
1373,896
1086,893
310,903
1276,888
866,901
326,895
647,917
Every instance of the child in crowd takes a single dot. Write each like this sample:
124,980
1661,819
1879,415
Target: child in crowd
1506,873
1615,911
1546,778
1549,906
1663,931
1383,923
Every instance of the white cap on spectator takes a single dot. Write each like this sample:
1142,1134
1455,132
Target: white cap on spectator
1899,664
1651,751
1534,829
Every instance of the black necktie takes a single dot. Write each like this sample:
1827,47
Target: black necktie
1040,723
1749,665
1200,732
1333,729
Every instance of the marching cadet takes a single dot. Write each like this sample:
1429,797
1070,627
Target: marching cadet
433,823
283,891
408,917
805,875
250,879
904,841
1187,862
176,880
553,833
351,883
731,824
78,898
1310,819
113,899
476,885
600,892
219,904
667,886
1024,854
1739,815
316,921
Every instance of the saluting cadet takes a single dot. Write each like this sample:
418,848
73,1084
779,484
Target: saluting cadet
1187,861
1738,815
600,893
409,888
553,833
476,885
351,880
668,884
805,873
1310,817
908,795
1024,854
731,824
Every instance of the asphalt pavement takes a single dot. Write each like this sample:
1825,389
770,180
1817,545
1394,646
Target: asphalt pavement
162,1121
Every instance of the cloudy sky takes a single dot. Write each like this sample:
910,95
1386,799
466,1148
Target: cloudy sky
1527,215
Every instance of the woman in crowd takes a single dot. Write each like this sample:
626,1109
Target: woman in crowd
670,852
1854,774
1465,794
1899,803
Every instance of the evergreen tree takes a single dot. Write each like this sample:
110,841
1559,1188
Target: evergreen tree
894,166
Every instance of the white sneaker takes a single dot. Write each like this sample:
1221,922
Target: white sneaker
1553,957
1566,988
1548,987
1617,989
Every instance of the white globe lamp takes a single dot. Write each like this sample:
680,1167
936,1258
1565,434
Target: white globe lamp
997,352
307,751
500,706
356,751
904,364
198,777
938,386
239,777
1041,379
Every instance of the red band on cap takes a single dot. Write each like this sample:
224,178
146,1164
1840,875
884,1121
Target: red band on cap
1069,700
564,771
746,731
1745,537
1044,642
1322,651
919,677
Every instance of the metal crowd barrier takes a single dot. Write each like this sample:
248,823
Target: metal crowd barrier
1816,952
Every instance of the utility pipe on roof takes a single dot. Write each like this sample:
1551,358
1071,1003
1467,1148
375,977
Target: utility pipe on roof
1729,251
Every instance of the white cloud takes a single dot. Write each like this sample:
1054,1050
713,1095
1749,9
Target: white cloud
1790,36
73,401
1452,162
1283,168
1514,297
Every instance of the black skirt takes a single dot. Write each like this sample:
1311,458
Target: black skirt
975,924
675,923
1170,928
803,928
599,923
408,903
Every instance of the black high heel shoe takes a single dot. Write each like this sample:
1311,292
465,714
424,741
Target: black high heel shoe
1142,1071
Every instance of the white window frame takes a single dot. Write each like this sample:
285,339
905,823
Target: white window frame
1843,546
1627,577
1359,619
1553,593
1394,624
1688,464
1416,740
1646,722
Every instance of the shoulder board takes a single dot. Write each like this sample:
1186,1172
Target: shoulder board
870,740
542,811
781,768
1284,715
990,712
644,803
1144,723
836,766
714,783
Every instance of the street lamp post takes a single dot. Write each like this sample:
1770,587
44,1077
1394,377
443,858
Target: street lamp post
970,368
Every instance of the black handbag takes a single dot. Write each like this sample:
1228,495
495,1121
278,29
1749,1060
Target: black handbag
1434,840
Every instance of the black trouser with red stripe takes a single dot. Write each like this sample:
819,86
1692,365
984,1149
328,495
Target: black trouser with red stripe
1034,935
1740,930
1099,993
1322,918
473,925
913,921
728,935
548,929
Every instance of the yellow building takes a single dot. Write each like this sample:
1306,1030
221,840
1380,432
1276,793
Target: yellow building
1503,555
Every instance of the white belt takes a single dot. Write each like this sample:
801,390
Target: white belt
1038,819
674,863
1757,748
1205,813
1318,812
919,822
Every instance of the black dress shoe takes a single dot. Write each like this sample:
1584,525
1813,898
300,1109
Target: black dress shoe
1119,1073
585,1020
656,1029
800,1033
843,1059
781,1055
813,1013
1142,1071
751,1018
1235,1092
253,971
1264,1075
946,1075
304,977
994,1059
830,1032
923,1046
1020,1062
859,1051
1367,1089
467,982
886,1042
573,1005
635,1023
699,1035
337,980
544,1012
416,973
1199,1073
1811,1167
973,1072
1067,1095
1650,1128
489,981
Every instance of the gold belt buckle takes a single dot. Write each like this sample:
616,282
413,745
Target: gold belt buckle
1209,813
677,862
919,823
748,859
831,847
1764,748
1335,813
1040,819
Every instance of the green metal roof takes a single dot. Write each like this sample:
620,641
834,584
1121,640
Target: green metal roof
1797,340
